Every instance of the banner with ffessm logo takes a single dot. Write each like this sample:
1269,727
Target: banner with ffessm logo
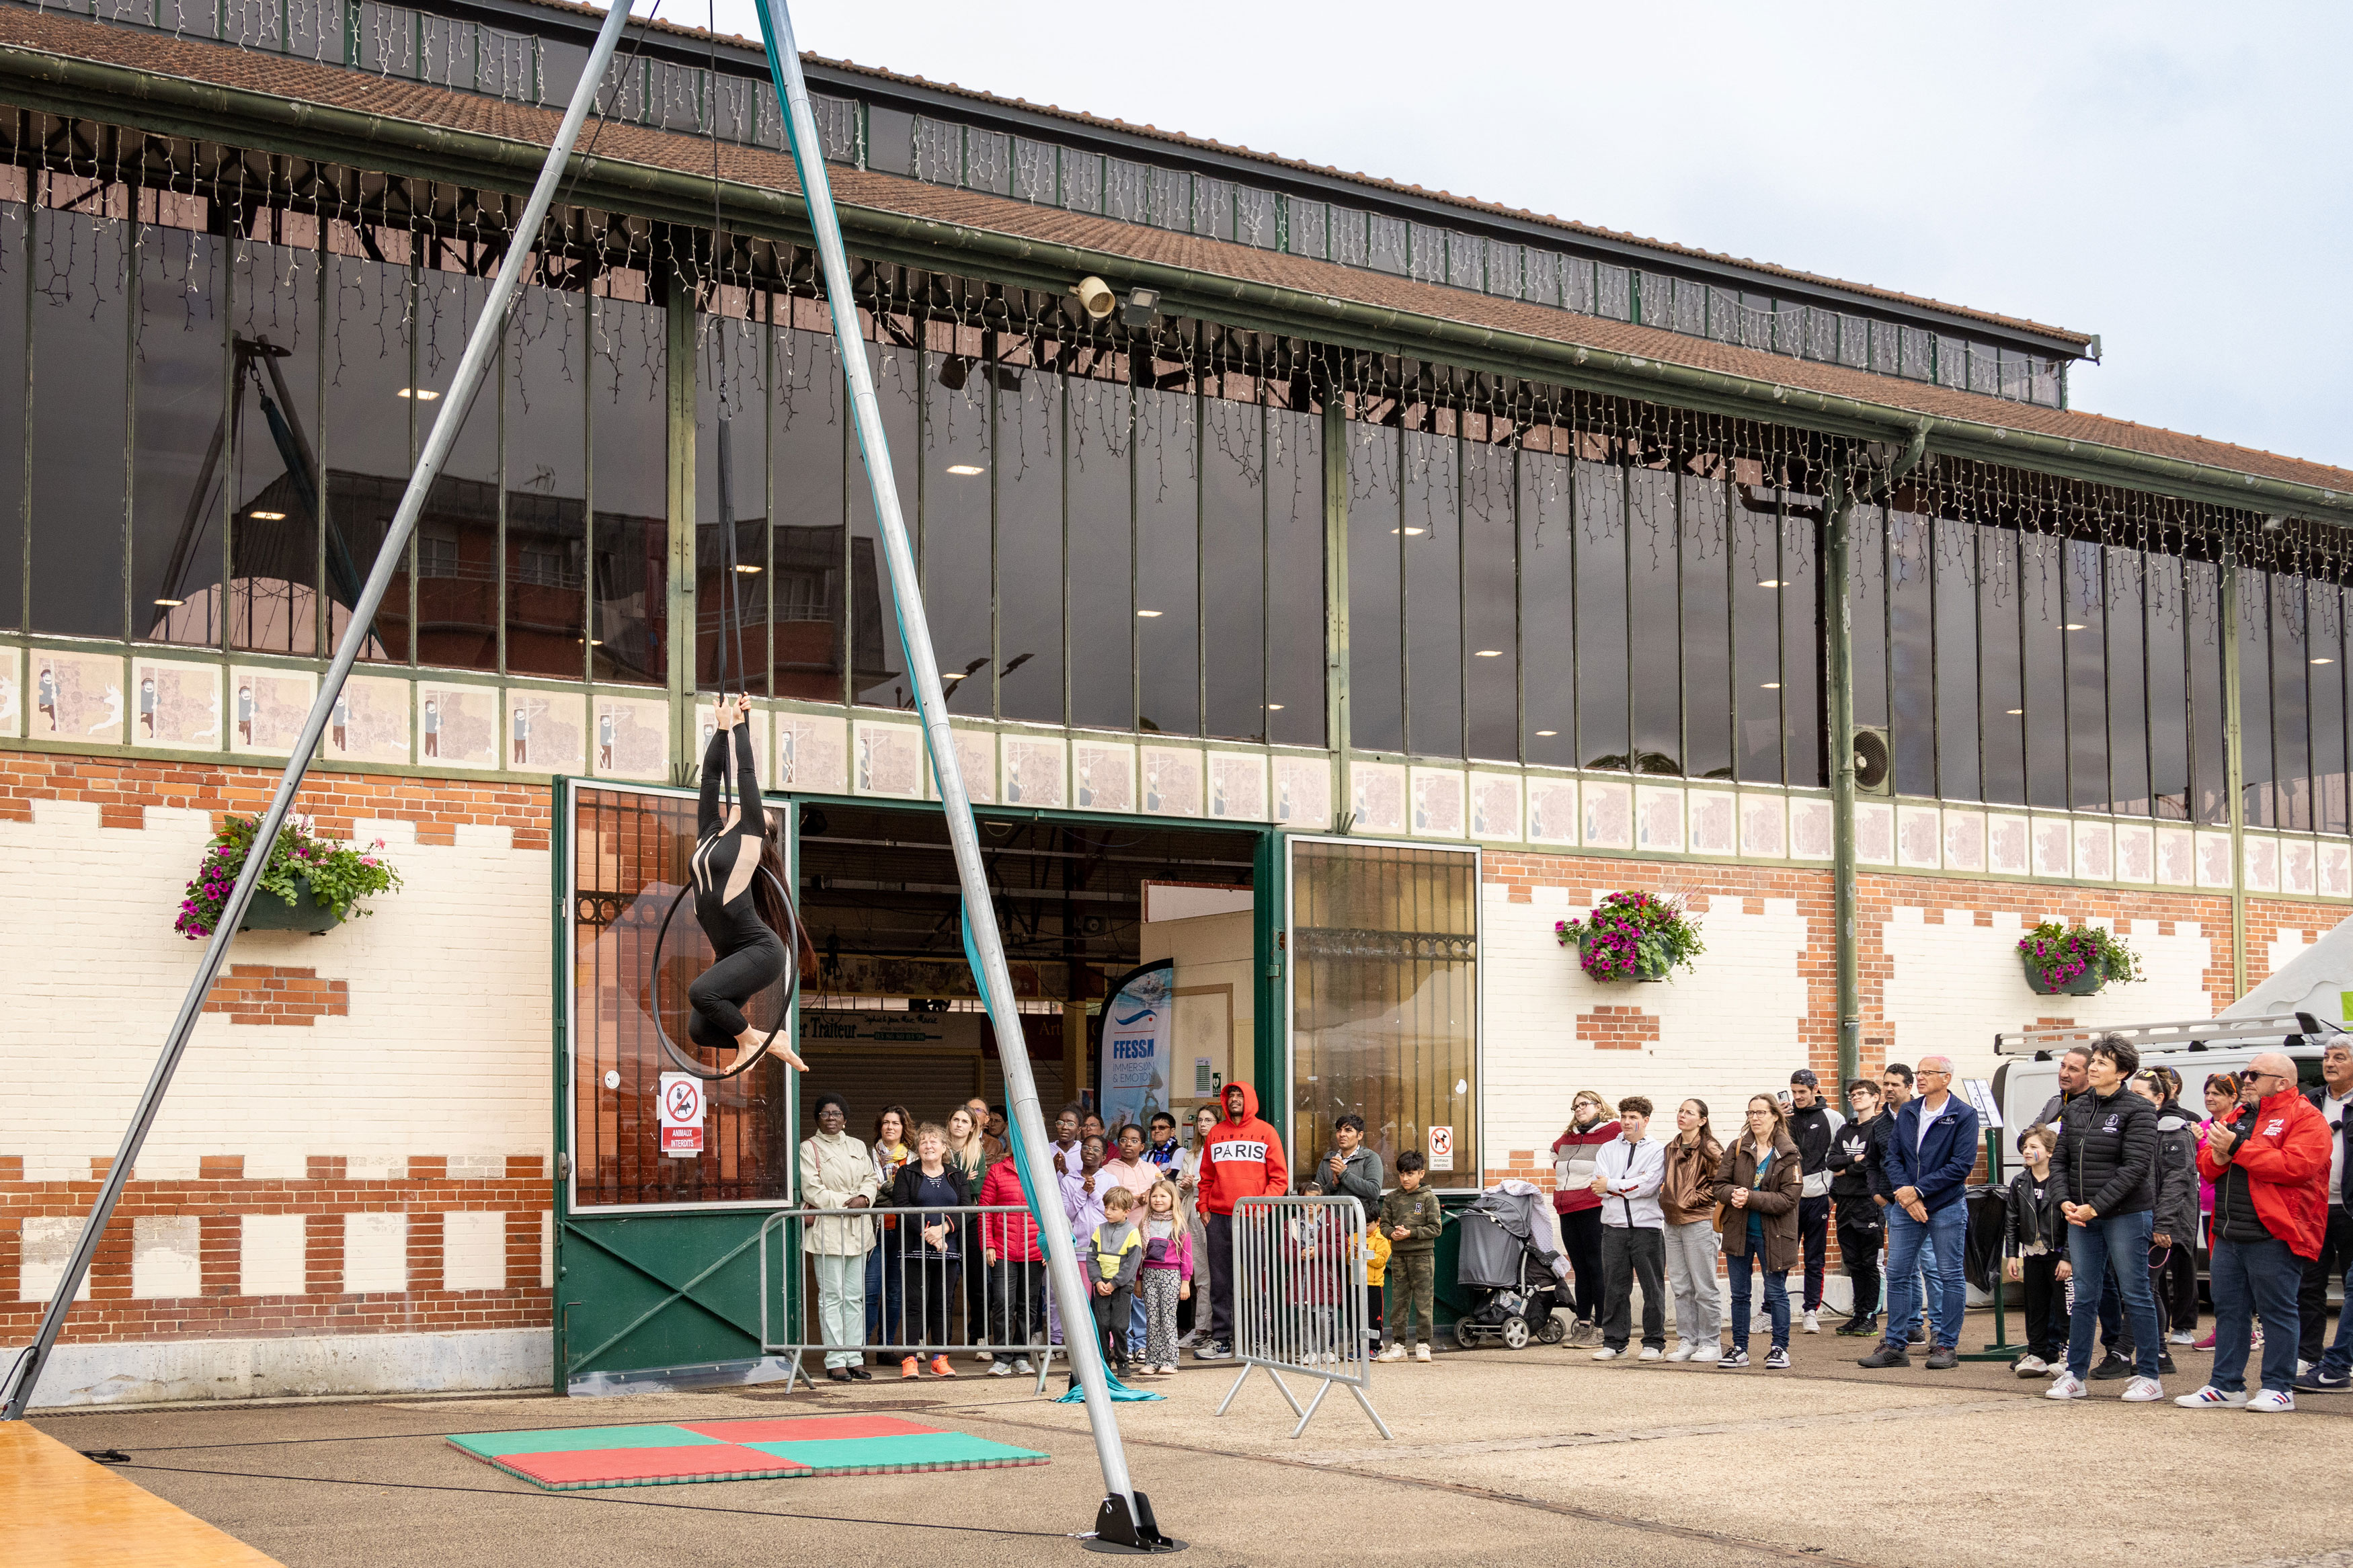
1136,1040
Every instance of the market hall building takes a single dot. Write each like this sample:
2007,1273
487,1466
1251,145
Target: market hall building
1383,579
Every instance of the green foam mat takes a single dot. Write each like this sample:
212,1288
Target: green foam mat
575,1440
890,1456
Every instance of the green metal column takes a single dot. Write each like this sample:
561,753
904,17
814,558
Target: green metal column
1335,592
2234,778
677,404
1838,676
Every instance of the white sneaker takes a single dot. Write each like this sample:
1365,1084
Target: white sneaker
2030,1366
1421,1352
2067,1387
2059,1367
2271,1400
1651,1352
2302,1366
1022,1366
1813,1323
1684,1351
1394,1353
2143,1391
1708,1353
1606,1354
2211,1398
2181,1337
1001,1369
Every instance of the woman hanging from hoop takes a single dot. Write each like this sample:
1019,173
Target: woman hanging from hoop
740,910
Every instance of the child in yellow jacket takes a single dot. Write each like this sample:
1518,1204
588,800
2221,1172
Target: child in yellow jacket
1375,1250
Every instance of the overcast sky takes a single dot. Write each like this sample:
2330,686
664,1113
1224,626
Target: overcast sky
2171,176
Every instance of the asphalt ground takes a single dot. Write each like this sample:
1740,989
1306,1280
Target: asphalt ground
1499,1456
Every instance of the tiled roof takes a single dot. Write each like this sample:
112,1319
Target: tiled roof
299,81
1567,227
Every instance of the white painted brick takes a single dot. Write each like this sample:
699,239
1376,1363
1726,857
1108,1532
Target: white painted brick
49,1244
377,1167
375,1252
396,833
1956,985
473,1251
272,1257
497,837
476,1167
546,1249
166,1261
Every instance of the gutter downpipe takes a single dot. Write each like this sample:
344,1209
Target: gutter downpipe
1838,663
489,327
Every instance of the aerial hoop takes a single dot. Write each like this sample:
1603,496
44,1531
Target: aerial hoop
791,980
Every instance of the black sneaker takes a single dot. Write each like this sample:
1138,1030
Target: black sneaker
2165,1363
1919,1336
1885,1356
2113,1368
2320,1380
1944,1358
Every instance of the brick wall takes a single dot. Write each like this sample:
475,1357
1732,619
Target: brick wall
358,1139
267,995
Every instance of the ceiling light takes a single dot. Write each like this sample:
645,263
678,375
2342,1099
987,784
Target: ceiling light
1137,311
170,604
1489,653
1547,732
967,470
1147,614
2323,661
952,675
2013,713
1771,582
1771,685
422,394
1410,533
749,570
2072,626
267,516
1274,707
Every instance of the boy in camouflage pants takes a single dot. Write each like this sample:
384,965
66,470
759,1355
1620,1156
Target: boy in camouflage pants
1411,1219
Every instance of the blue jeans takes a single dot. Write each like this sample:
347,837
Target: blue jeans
886,1287
2117,1245
1777,1298
1950,1293
2262,1276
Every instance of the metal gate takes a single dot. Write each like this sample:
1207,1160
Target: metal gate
657,1278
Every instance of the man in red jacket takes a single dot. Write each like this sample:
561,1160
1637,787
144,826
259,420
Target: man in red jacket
1244,1160
2270,1170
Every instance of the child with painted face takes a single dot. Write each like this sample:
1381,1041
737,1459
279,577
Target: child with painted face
1166,1277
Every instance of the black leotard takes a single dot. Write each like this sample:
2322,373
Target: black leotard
749,957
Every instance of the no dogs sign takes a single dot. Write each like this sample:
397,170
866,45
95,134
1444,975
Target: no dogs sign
682,1114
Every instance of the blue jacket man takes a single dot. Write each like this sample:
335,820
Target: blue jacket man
1929,1154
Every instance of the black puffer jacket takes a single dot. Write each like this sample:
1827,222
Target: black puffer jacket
2028,1223
2108,1152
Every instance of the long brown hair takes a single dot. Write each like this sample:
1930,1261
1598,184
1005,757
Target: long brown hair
770,901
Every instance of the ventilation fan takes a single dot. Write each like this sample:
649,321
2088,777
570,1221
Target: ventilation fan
1871,768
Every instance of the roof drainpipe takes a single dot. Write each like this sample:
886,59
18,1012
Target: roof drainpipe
1837,665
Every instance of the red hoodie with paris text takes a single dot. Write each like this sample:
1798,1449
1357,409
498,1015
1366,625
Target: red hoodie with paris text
1244,1158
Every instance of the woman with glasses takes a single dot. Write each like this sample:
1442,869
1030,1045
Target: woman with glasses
1758,1185
1573,1154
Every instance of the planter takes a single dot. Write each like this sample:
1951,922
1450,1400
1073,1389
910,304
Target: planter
2095,976
269,912
1650,970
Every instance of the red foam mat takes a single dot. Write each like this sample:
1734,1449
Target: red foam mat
805,1428
638,1467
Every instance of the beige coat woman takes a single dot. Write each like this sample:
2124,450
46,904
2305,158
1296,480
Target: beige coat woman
836,1168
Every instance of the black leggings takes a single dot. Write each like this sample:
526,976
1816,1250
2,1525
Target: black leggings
1580,1237
718,994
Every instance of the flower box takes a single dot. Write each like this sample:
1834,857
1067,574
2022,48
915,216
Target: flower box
1633,936
2073,961
269,912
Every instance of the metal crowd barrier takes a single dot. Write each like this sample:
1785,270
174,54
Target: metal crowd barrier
1300,1301
927,1305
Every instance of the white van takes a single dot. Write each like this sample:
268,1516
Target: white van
2029,1074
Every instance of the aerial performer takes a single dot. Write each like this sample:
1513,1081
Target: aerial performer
739,897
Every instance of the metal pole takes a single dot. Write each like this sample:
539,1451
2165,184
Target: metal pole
479,349
996,981
1838,670
2235,761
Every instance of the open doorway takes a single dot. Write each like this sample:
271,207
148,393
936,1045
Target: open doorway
892,1016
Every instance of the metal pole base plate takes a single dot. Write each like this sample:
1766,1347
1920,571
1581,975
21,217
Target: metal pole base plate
1132,1534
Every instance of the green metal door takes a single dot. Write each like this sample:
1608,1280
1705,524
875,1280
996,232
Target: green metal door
659,1273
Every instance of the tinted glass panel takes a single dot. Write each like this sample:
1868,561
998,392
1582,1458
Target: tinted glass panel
2128,728
177,475
1953,562
731,524
1295,578
80,343
2043,661
2002,704
1431,492
1759,585
1375,607
1490,674
1655,647
1233,562
1029,576
457,549
546,484
275,458
1167,563
1910,654
809,441
1708,697
2291,714
1602,731
2083,637
368,425
1548,606
956,543
629,535
1103,609
879,677
2164,644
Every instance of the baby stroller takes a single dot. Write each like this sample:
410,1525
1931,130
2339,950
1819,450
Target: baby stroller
1508,1267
